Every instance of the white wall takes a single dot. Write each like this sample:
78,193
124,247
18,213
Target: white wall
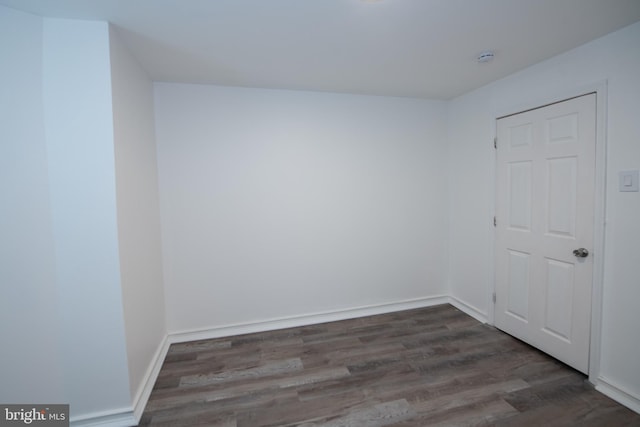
29,327
61,307
79,139
471,122
138,212
284,203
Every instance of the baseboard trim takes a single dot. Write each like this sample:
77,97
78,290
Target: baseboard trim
140,401
303,320
468,309
118,418
621,396
127,417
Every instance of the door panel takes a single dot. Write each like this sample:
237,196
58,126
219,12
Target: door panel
561,197
544,211
559,298
518,292
520,196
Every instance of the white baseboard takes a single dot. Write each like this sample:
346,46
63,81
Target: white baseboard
303,320
604,386
468,309
127,417
141,398
117,418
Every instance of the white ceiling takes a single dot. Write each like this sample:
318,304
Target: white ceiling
418,48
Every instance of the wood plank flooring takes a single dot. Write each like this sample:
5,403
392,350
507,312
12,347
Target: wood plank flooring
427,367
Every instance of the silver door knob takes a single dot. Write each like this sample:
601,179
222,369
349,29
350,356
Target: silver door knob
581,253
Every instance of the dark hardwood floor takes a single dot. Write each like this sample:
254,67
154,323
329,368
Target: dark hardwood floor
426,367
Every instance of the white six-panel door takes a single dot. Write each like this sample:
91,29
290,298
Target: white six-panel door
545,212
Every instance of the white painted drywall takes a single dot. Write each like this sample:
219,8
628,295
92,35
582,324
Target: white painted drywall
138,212
29,328
616,58
283,203
79,139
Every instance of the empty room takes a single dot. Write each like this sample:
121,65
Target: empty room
320,212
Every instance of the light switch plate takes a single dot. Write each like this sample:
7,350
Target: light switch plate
628,180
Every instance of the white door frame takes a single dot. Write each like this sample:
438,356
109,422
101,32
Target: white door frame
600,89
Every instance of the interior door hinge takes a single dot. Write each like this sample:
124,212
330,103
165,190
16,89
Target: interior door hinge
495,223
494,297
495,143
